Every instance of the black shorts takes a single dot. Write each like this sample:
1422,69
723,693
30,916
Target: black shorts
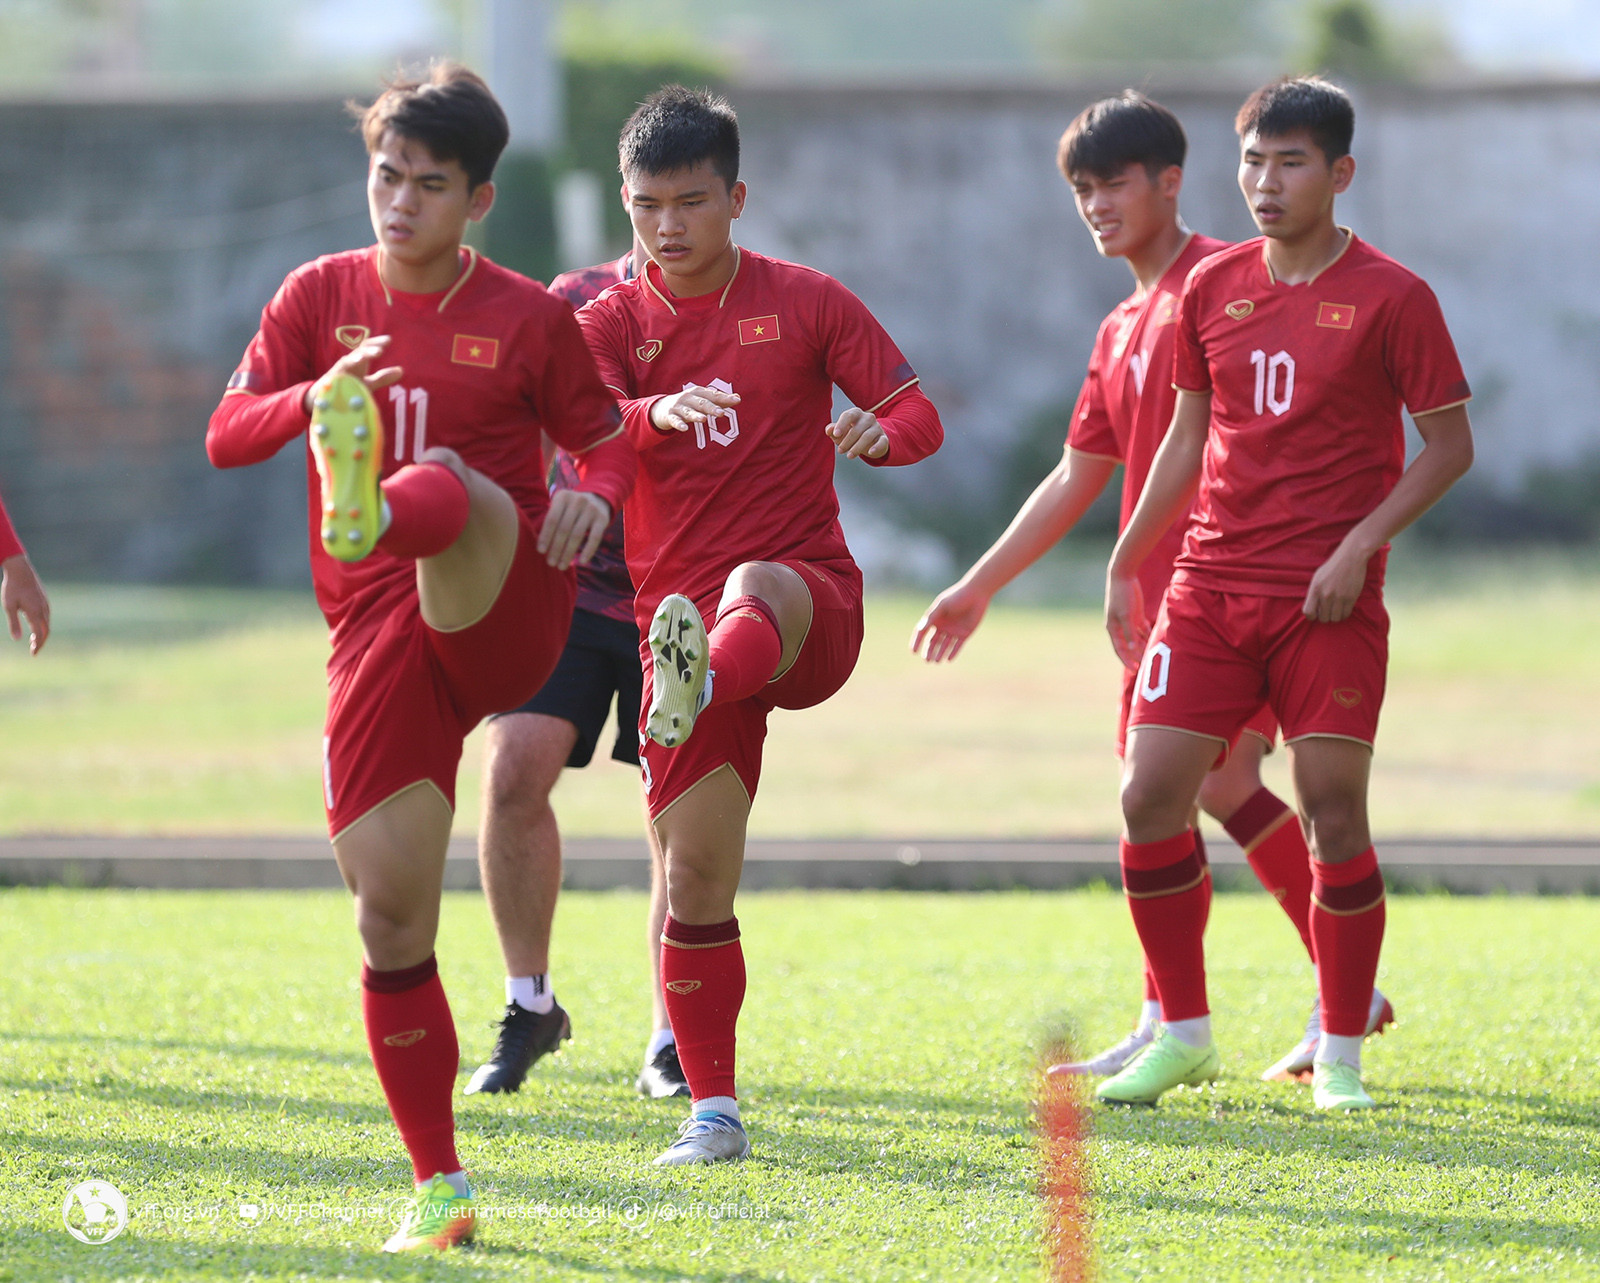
601,658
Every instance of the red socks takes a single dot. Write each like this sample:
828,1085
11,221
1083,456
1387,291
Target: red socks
702,979
413,1042
1268,832
1347,917
428,510
745,649
1169,895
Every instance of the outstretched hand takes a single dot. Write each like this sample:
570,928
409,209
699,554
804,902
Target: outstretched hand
573,528
945,626
22,596
358,361
858,435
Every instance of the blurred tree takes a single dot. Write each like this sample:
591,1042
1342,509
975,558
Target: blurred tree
1349,38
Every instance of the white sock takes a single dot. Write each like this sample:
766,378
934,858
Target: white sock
705,692
385,516
458,1182
1332,1047
1149,1014
716,1105
1195,1032
661,1038
531,993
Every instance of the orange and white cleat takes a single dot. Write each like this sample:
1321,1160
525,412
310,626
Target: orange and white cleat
347,444
1296,1066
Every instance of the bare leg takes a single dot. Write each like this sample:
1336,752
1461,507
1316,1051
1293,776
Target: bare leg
519,843
392,859
1236,781
702,838
1330,783
458,586
657,919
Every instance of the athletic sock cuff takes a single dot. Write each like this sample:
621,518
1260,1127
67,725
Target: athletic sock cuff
1352,887
752,603
683,935
1169,867
1263,810
402,980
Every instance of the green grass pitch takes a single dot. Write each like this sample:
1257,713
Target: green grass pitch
203,1050
181,711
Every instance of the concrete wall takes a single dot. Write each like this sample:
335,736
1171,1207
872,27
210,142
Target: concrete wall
139,242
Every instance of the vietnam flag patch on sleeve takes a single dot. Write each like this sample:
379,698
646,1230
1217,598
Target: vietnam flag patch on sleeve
759,329
469,349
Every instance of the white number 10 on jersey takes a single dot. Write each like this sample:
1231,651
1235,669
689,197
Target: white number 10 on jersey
722,436
1274,381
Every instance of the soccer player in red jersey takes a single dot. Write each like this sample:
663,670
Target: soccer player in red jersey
525,751
725,362
21,594
1123,158
1295,355
440,561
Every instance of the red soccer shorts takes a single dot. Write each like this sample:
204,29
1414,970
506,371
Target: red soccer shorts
1214,658
1262,724
733,734
400,708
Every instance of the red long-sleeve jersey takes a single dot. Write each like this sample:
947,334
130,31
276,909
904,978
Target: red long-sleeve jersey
489,364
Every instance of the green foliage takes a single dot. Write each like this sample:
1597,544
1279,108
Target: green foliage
1349,39
202,1050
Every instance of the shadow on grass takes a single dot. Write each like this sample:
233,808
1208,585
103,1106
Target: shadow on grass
1471,1132
35,1255
1336,1226
86,1041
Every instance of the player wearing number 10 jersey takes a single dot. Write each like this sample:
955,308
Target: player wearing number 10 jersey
725,363
1295,355
441,563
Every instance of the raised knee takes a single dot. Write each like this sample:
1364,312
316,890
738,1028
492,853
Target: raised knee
446,456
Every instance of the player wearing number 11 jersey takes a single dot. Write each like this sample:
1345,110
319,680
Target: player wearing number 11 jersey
725,362
1294,357
441,563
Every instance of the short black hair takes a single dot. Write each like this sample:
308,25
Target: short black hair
1294,103
677,128
452,113
1126,129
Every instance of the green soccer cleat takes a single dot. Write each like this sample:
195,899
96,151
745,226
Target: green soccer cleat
679,652
1334,1085
438,1218
347,444
1166,1063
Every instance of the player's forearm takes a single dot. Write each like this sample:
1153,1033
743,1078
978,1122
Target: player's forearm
1443,460
636,422
1168,490
250,429
912,424
1055,507
608,469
